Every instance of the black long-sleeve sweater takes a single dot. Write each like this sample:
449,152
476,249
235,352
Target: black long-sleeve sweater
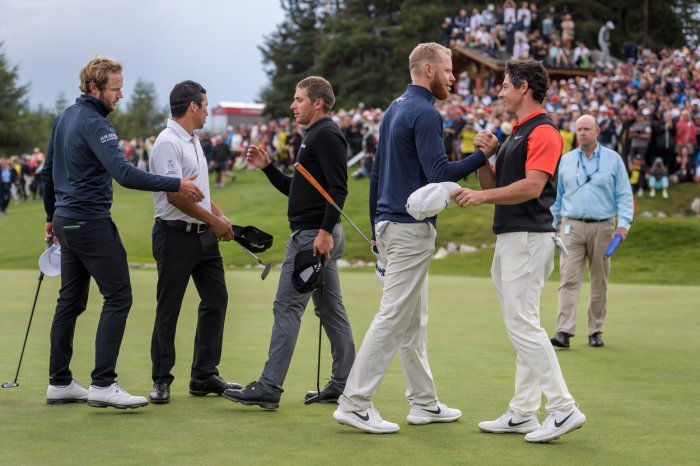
323,153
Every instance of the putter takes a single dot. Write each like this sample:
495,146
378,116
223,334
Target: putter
266,271
317,398
309,177
14,383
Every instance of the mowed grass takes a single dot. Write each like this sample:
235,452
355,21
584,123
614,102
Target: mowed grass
639,392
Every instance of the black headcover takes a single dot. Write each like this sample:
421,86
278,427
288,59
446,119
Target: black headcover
308,271
251,238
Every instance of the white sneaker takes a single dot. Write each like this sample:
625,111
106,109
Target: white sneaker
368,420
438,412
71,393
115,396
557,424
511,422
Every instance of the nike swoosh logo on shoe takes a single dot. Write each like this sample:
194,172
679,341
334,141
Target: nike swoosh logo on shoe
437,411
364,418
516,424
559,424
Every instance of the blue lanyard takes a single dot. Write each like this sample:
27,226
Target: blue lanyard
582,164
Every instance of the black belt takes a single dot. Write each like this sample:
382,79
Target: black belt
182,225
589,220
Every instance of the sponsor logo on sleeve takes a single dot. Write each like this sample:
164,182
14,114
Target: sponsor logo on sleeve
108,137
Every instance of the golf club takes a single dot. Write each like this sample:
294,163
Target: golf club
309,177
266,271
14,383
317,397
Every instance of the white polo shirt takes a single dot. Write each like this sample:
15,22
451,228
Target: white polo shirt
178,154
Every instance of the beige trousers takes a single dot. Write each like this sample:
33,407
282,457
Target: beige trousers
584,241
402,321
521,264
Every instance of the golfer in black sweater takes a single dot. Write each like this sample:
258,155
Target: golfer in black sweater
315,225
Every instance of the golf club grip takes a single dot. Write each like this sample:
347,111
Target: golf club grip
314,183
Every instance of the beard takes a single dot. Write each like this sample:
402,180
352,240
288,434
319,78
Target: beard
101,97
438,88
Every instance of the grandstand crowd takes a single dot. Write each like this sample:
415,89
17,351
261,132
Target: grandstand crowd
647,106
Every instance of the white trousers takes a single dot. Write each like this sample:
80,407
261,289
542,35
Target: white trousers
402,321
521,264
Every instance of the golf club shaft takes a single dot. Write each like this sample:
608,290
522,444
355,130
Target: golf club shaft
251,253
29,325
309,177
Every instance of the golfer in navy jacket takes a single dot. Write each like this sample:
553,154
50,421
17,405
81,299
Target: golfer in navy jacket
411,154
82,158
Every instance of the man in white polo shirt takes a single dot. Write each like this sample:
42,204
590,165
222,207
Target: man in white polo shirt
185,236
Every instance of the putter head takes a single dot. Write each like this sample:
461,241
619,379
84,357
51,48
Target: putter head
10,385
313,399
264,273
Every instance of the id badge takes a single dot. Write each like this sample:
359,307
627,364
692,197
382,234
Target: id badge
567,229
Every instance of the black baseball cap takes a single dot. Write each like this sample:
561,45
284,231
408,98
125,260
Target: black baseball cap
308,271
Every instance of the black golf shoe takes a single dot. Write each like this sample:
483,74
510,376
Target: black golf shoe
213,384
329,394
595,340
253,394
560,340
160,394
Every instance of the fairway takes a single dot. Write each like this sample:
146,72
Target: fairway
639,392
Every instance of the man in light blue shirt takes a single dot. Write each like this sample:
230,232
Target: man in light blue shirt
594,203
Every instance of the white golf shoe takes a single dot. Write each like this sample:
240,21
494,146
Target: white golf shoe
114,396
511,422
368,420
557,424
61,394
439,412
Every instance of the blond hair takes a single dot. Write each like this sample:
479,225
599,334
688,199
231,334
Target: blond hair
96,71
430,52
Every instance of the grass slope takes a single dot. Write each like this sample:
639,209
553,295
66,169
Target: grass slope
659,250
638,391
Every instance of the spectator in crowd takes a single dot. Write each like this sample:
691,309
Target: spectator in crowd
221,157
568,32
658,178
448,28
462,19
524,16
8,178
594,201
686,132
664,137
604,42
637,170
582,56
640,133
548,27
509,12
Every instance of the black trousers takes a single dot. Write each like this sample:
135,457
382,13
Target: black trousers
180,254
89,248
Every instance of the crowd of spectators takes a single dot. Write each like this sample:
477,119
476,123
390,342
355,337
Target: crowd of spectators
648,109
511,31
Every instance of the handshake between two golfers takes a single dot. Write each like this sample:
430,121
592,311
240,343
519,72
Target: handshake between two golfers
487,142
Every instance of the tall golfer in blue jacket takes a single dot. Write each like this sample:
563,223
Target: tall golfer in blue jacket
82,158
410,154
